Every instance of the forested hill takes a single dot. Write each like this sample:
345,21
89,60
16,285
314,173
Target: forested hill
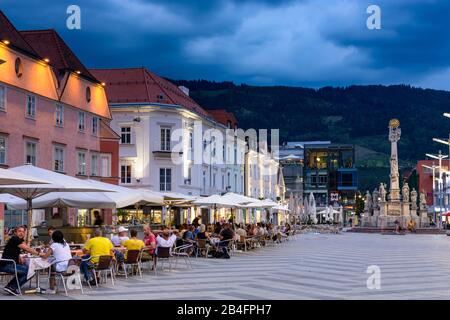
354,114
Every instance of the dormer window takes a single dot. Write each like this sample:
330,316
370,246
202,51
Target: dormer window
160,96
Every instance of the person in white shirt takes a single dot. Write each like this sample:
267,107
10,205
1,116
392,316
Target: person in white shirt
117,240
60,251
165,240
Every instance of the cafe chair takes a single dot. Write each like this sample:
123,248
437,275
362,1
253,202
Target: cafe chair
183,252
150,261
132,260
103,267
7,274
63,276
163,254
202,248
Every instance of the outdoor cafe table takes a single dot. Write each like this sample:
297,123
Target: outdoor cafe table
35,264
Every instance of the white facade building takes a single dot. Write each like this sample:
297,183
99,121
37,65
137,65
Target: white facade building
166,138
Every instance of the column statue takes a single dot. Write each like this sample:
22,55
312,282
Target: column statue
368,202
405,192
414,199
375,196
382,192
423,201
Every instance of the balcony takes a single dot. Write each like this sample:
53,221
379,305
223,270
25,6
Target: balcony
163,154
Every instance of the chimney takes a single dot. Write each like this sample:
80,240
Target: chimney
184,89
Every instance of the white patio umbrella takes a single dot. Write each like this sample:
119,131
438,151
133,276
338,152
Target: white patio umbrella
116,197
216,201
175,199
57,183
8,177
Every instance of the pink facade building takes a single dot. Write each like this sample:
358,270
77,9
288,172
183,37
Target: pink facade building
53,112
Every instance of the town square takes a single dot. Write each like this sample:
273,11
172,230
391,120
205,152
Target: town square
223,151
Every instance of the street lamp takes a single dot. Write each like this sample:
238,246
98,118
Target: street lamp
439,157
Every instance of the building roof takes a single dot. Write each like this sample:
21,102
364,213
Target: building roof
10,33
107,133
139,85
48,44
223,116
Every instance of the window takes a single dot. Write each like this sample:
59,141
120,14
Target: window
81,163
165,139
228,180
95,125
191,140
188,180
58,159
165,179
94,164
235,182
59,115
223,182
125,135
214,180
213,141
2,150
204,182
31,106
30,152
81,121
106,165
125,174
2,98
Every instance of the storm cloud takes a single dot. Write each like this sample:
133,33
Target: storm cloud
305,42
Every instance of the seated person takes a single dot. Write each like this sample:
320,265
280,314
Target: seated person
134,243
119,239
60,250
12,251
165,240
226,235
150,242
95,247
411,226
189,235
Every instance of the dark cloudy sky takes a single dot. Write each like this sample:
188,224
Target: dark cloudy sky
293,42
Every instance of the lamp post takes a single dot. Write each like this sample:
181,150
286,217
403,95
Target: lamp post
433,168
439,157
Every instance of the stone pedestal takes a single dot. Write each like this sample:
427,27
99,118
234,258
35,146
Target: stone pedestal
424,220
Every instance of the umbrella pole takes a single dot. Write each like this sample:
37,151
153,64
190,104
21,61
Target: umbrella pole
30,220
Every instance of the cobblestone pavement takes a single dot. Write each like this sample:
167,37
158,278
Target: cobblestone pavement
315,266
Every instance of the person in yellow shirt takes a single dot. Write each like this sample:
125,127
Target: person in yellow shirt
94,247
134,243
